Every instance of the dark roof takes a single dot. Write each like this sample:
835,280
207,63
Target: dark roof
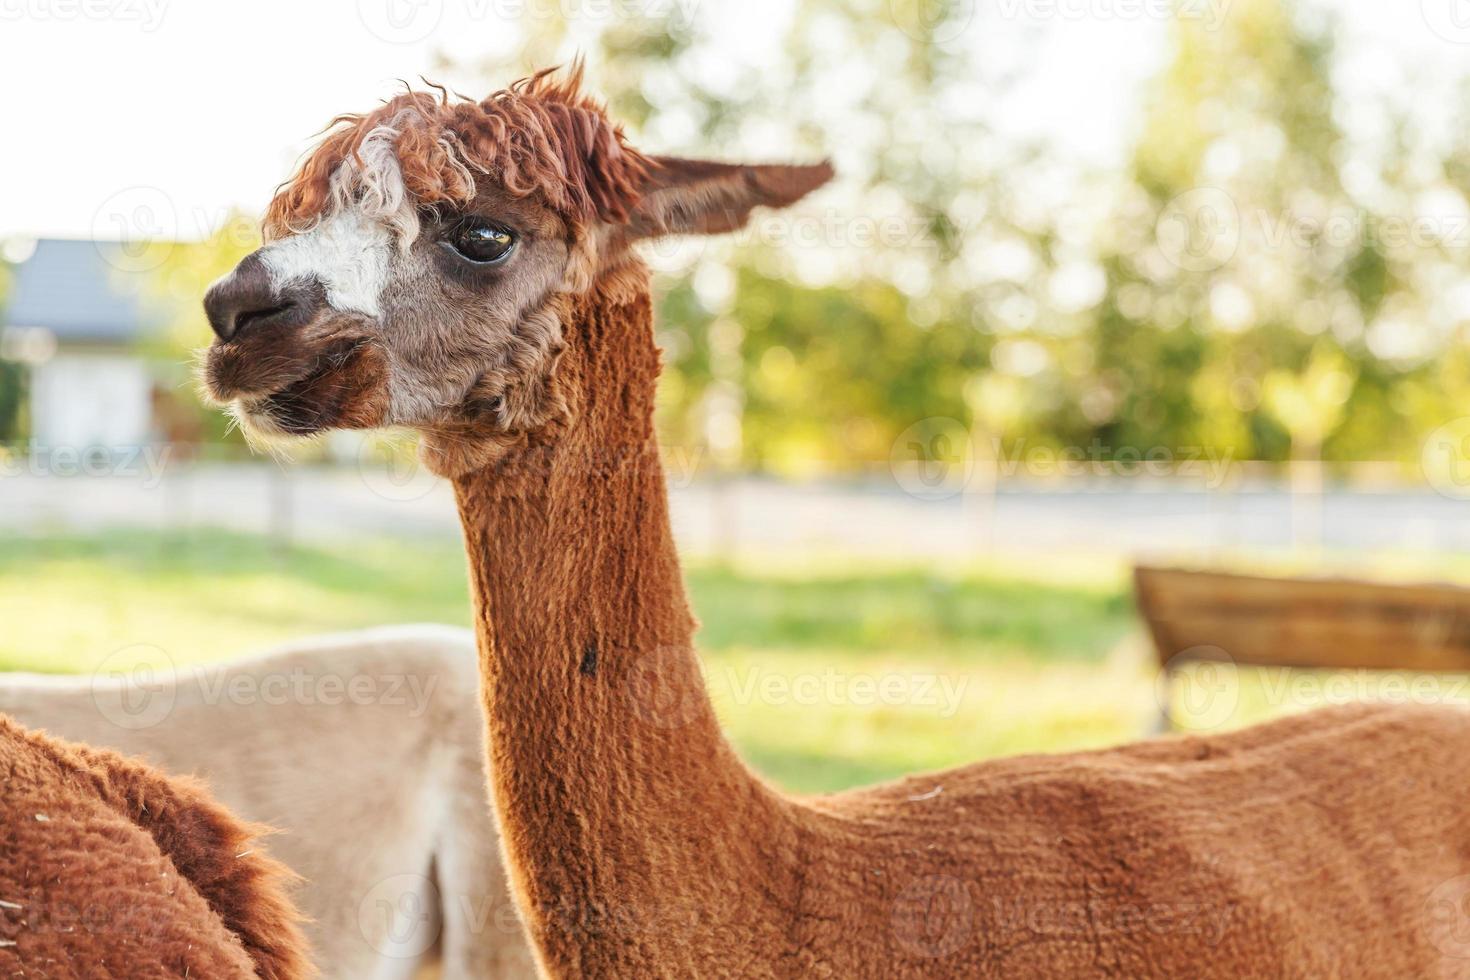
79,290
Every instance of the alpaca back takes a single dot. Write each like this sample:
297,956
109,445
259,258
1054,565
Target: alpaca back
1331,843
109,868
364,750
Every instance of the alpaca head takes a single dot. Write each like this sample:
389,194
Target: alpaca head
417,267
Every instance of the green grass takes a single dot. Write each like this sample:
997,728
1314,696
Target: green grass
825,677
958,615
68,602
959,665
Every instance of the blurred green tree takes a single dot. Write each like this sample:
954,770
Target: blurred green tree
808,342
1256,239
954,272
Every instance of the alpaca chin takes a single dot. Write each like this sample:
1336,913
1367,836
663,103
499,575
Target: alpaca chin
263,434
346,388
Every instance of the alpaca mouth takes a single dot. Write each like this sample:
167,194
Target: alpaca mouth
316,401
343,386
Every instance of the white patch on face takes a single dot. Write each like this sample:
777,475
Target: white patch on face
348,252
349,248
372,179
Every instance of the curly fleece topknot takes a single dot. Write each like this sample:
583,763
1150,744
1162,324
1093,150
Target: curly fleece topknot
540,136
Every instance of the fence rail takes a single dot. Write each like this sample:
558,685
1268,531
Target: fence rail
1361,507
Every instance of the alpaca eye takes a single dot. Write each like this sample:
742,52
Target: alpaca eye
481,243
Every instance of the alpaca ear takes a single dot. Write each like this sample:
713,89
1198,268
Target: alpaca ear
701,197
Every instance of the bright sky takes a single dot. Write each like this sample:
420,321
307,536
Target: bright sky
159,115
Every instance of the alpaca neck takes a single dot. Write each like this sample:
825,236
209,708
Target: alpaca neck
609,771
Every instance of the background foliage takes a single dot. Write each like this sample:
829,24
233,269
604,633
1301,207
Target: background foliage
1260,280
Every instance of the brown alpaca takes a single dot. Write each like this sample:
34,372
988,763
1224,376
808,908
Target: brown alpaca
465,269
298,738
108,869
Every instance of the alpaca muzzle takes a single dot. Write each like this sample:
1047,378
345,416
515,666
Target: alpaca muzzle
289,361
248,300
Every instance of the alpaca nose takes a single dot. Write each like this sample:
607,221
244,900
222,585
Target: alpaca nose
245,300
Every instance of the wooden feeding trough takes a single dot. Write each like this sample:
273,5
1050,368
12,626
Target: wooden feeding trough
1309,623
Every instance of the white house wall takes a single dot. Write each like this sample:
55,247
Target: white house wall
84,401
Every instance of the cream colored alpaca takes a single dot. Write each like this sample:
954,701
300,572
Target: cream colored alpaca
364,749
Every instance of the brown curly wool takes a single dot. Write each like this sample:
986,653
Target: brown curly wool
541,136
110,870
